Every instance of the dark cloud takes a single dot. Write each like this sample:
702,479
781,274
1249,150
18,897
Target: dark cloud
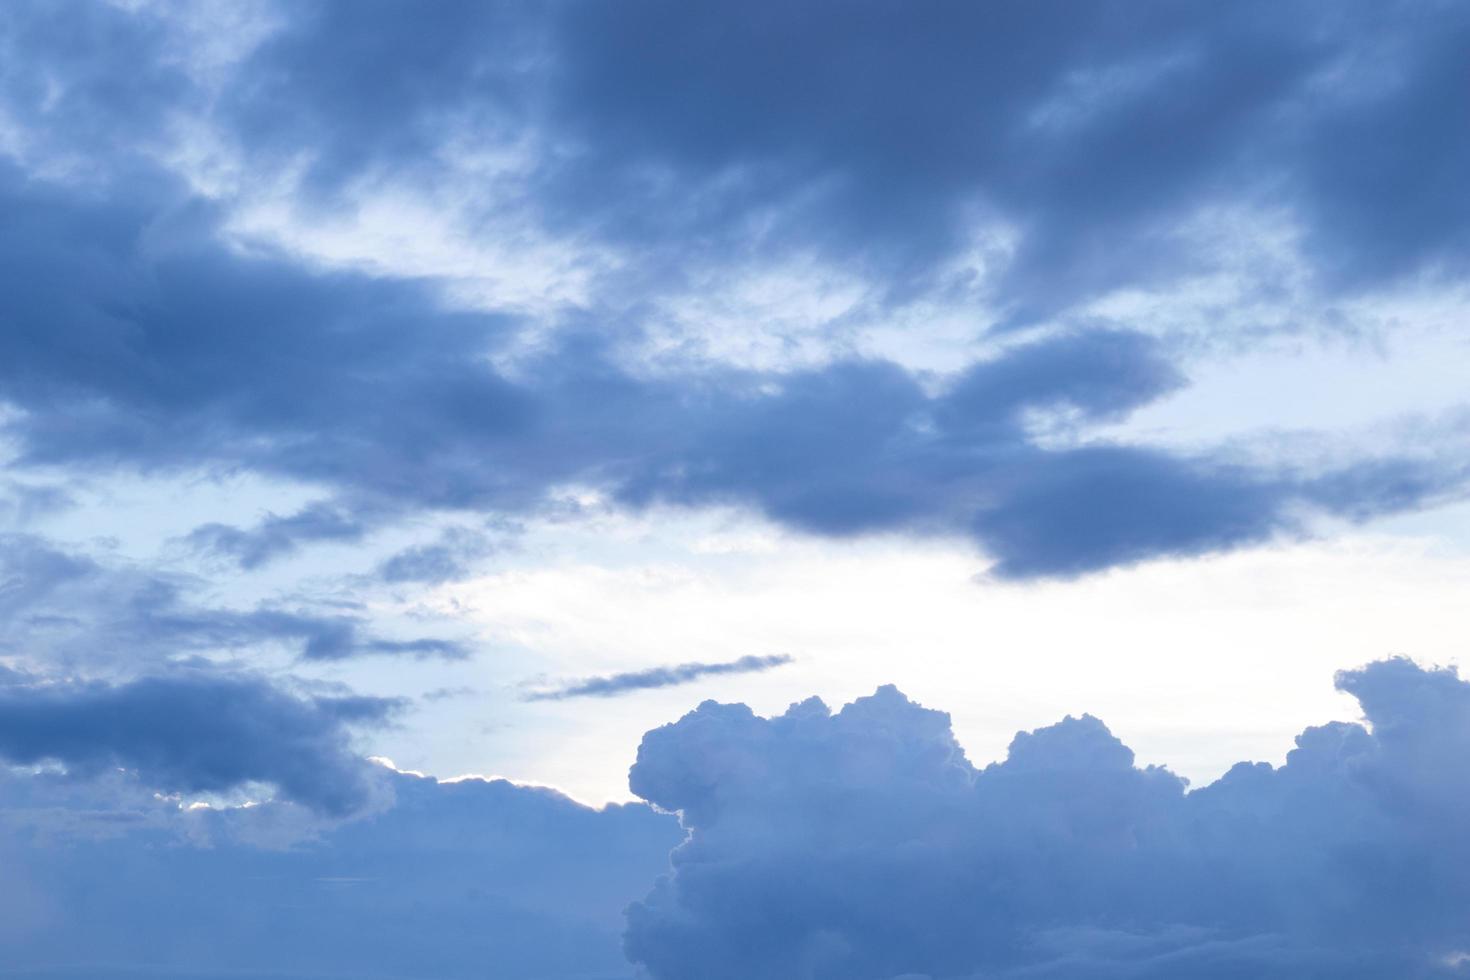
879,135
347,67
614,685
876,132
1095,507
1100,374
196,732
454,880
862,844
132,348
135,338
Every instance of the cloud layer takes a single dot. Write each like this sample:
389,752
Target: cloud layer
138,351
142,336
874,135
455,880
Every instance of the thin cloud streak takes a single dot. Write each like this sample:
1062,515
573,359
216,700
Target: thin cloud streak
641,680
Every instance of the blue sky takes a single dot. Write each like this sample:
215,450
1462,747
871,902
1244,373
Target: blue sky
415,416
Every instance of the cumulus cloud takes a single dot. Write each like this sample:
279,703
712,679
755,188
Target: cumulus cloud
641,680
863,844
856,844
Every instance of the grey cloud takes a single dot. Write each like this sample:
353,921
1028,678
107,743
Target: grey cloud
370,387
876,135
275,536
447,559
614,685
454,880
194,732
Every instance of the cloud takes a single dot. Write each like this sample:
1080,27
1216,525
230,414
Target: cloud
143,337
880,137
642,680
449,558
1093,145
862,844
169,623
131,321
466,62
63,608
21,503
276,536
196,732
111,90
456,880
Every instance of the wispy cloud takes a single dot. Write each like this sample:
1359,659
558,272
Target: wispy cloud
640,680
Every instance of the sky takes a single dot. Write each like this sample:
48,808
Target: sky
657,491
